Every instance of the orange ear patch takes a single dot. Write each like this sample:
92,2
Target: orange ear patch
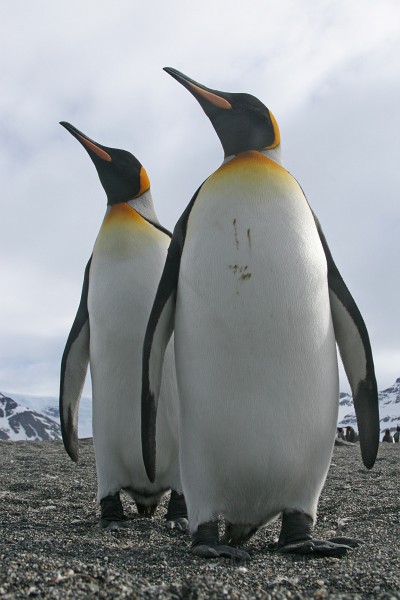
277,133
144,181
93,148
213,98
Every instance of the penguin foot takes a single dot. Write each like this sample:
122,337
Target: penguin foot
315,547
145,510
206,551
177,511
180,524
205,543
296,537
352,542
235,534
112,513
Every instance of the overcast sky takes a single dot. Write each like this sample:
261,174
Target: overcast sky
329,71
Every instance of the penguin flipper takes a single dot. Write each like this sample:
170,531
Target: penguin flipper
74,366
158,332
355,349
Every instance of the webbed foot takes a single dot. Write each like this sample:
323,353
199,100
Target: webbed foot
352,542
315,547
112,513
180,524
207,551
205,543
296,537
176,516
235,534
146,510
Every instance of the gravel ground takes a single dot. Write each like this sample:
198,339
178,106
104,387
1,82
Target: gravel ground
50,547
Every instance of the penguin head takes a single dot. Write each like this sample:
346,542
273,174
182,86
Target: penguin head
241,121
121,174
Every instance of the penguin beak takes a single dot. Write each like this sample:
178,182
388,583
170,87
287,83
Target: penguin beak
203,95
91,146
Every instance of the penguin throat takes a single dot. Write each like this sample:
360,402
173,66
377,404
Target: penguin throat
274,154
144,206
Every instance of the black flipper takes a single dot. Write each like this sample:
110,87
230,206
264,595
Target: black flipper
74,366
158,332
355,349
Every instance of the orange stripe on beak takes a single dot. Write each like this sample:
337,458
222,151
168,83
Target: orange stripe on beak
98,151
213,98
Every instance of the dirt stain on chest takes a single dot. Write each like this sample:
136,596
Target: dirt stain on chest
242,273
235,231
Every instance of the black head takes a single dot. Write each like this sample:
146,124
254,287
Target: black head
241,121
121,174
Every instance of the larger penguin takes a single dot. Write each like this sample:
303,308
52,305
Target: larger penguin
256,302
118,290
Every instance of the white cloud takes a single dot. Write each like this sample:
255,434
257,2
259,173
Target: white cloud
329,73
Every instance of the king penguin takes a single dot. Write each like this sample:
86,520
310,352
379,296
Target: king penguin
119,286
256,303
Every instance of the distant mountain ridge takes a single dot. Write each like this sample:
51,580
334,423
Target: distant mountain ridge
20,423
389,408
37,418
25,417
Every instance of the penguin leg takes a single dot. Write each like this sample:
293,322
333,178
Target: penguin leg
296,537
146,510
176,515
235,535
205,543
112,513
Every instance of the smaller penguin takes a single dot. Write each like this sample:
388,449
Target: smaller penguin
119,286
387,437
351,435
396,437
340,433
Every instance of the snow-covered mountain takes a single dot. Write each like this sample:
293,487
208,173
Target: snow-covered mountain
37,418
25,417
18,422
389,408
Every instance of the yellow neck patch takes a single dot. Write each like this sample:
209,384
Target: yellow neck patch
251,159
122,214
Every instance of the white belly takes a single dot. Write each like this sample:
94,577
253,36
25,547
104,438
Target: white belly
124,275
256,355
